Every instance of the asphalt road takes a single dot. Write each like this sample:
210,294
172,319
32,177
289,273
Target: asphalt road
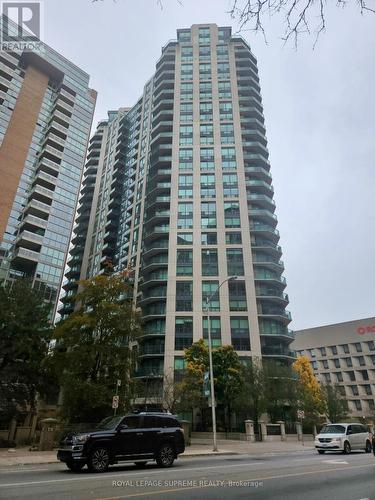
295,476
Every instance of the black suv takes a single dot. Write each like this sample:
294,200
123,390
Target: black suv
137,437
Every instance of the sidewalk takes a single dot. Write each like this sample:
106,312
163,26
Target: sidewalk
22,456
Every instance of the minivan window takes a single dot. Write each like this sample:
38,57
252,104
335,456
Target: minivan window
333,429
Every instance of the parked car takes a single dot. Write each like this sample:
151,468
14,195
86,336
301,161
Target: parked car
138,438
343,437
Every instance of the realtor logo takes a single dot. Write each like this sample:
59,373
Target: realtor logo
21,25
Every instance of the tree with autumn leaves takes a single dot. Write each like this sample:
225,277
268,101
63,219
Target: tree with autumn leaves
310,397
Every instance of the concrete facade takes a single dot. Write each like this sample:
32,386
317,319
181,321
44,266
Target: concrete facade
344,354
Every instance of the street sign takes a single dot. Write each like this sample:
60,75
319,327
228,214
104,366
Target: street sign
115,401
300,414
118,382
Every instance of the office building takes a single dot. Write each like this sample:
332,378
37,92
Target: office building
46,110
178,189
344,354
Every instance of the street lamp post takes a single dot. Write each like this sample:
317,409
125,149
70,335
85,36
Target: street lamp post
213,402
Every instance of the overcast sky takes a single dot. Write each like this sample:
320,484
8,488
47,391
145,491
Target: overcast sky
319,107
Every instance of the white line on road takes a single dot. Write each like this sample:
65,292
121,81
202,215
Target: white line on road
335,462
21,470
145,472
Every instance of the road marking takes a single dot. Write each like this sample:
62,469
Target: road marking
255,479
145,472
21,470
335,462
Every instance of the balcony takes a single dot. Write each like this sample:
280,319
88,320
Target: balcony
42,194
45,180
151,350
160,174
274,295
31,222
277,352
158,216
258,173
153,310
262,200
149,373
153,279
55,153
274,313
29,240
158,200
261,187
22,254
158,246
257,158
155,262
261,213
265,231
49,166
38,209
269,277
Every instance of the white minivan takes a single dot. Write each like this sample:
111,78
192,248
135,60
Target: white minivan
343,437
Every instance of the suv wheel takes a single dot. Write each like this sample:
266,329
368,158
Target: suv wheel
75,466
347,448
368,448
165,455
98,460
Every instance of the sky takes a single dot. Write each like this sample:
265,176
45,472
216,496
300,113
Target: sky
319,105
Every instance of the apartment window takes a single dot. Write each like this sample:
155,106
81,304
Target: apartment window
312,353
222,52
228,158
361,361
341,389
205,72
185,186
187,54
209,238
364,374
358,346
336,363
314,364
184,238
349,363
215,330
186,159
371,345
184,263
339,377
223,71
207,134
240,336
204,35
208,214
186,71
230,186
371,404
186,134
184,36
322,351
325,364
205,90
333,350
227,133
186,91
367,389
351,376
237,296
186,112
233,238
225,91
207,158
372,359
354,390
185,216
327,377
224,34
226,111
183,332
204,53
235,265
232,214
208,289
205,111
345,348
208,186
209,263
358,405
184,296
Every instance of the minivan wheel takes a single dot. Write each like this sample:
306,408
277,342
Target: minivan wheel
368,448
347,448
98,460
321,452
165,455
75,466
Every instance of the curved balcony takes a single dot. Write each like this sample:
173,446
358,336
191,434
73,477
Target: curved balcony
265,276
251,112
262,200
158,246
259,159
160,174
266,231
254,123
258,173
162,201
163,105
267,246
253,133
158,217
146,350
269,263
155,294
154,278
155,262
153,311
278,352
149,372
261,187
274,313
273,295
158,187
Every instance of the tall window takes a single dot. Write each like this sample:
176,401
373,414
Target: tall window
239,328
226,111
209,263
186,71
205,71
186,112
186,159
222,52
209,238
184,263
232,214
227,133
208,214
205,90
230,186
185,186
208,186
186,134
237,296
207,134
184,36
207,159
205,111
185,216
204,53
215,330
183,332
233,238
184,238
228,158
187,54
184,296
223,71
208,289
235,262
186,92
225,90
204,35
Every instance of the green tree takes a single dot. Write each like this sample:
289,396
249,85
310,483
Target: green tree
93,349
25,332
336,406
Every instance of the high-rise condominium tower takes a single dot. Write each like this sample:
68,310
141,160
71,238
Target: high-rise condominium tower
178,188
46,110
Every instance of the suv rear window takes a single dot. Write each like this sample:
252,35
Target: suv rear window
168,422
